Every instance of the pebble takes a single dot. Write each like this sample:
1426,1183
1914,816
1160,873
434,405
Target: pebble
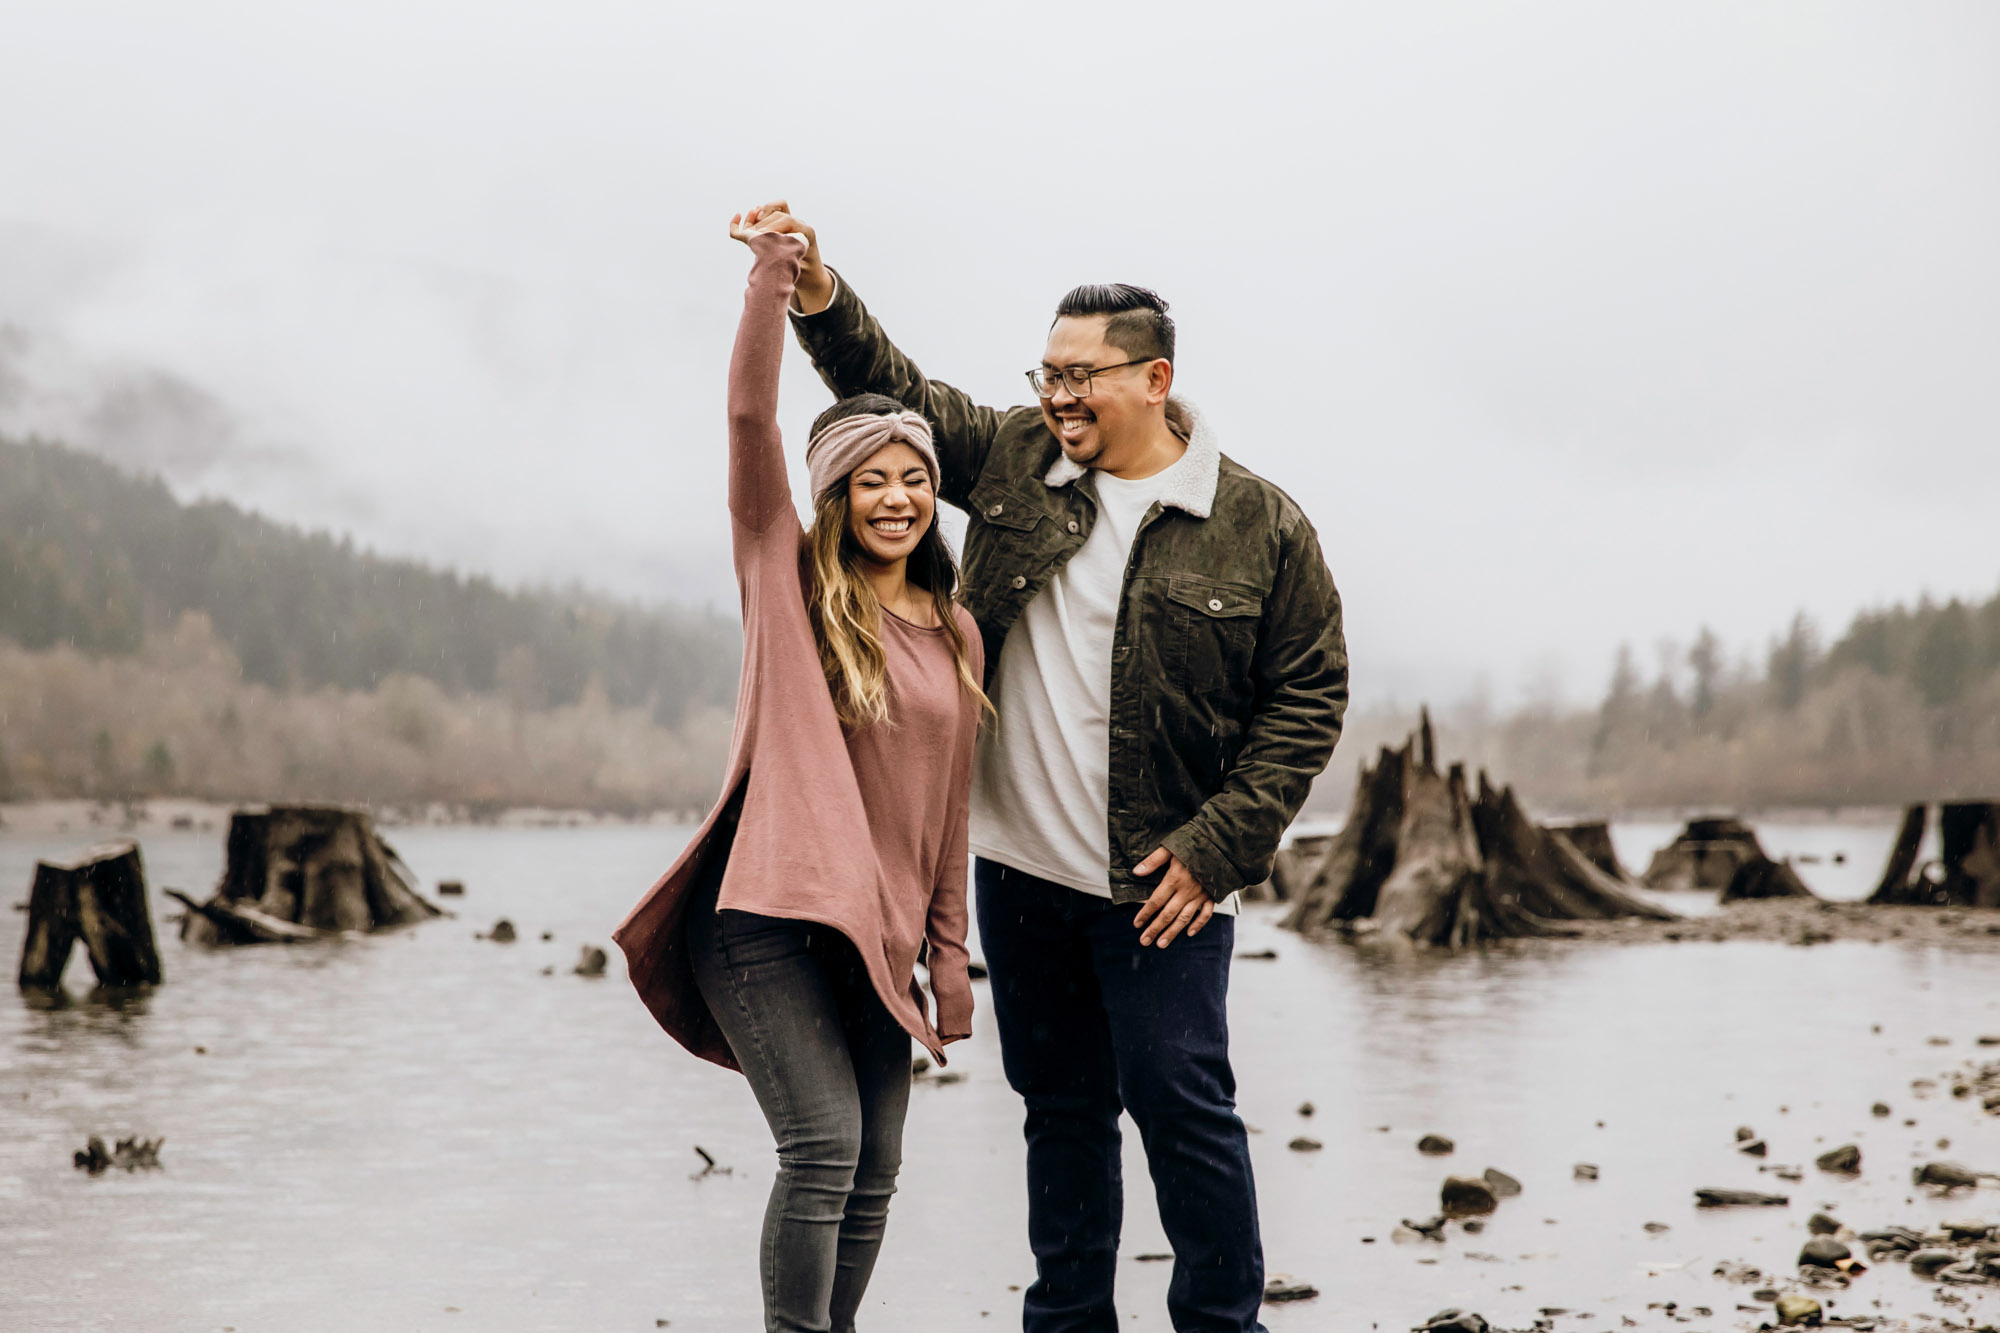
1754,1148
1717,1198
590,963
1822,1224
1948,1174
1466,1195
1844,1160
1453,1321
1796,1309
1879,1108
1503,1185
1584,1171
1304,1144
1306,1108
1823,1252
1435,1145
1281,1287
1744,1133
502,932
1927,1263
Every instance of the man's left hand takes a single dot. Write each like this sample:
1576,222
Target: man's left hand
1180,903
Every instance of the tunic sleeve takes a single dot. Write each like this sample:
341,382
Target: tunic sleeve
951,986
759,492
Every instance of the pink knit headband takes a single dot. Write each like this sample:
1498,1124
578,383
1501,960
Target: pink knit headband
852,441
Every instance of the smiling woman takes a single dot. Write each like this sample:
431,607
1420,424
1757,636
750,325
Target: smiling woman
784,941
874,545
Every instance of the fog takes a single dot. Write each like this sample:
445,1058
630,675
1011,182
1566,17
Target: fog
1567,324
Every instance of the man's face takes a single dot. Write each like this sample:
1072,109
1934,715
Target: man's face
1117,406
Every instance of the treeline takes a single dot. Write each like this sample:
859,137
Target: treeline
96,560
1903,706
178,718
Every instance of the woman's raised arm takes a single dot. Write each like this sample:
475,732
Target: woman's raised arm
758,490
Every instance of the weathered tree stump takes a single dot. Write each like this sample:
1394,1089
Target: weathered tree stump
1705,856
1420,858
304,872
99,898
1764,878
1290,869
1967,871
1593,839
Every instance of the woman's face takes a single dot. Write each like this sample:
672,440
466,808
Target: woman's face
889,503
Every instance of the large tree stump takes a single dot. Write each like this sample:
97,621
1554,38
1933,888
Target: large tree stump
1593,839
1967,871
99,898
304,872
1705,856
1421,859
1291,868
1765,878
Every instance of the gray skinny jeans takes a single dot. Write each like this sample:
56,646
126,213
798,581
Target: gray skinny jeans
831,1070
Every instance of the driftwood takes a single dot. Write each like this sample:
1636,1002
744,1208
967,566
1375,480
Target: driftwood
1706,856
304,872
1422,858
1967,871
99,898
1593,839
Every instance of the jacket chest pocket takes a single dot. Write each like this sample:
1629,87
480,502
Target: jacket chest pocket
1214,627
1009,534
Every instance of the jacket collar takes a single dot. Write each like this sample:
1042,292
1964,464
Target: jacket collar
1191,489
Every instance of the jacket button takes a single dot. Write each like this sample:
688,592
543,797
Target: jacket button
1073,525
994,512
1020,581
1215,603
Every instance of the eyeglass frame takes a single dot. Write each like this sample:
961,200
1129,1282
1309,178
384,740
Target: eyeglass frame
1089,376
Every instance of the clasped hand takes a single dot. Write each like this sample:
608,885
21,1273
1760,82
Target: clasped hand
1179,904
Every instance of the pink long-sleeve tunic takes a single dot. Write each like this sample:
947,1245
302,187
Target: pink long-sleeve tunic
864,831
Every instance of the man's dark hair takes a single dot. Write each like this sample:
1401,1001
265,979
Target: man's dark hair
1139,325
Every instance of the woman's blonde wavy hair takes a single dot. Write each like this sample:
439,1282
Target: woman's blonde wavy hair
841,604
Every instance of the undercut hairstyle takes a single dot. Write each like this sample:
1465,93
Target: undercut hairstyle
1137,324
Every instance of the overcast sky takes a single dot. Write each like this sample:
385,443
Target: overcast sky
1568,324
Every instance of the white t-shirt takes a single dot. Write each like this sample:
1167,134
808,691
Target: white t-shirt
1041,792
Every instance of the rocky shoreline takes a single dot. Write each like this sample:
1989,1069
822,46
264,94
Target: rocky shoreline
1806,921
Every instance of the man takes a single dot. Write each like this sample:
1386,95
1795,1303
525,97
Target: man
1165,655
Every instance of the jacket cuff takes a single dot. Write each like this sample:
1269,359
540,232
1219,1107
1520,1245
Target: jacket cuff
951,988
841,318
1215,872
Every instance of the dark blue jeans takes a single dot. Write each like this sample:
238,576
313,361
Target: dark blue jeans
1091,1023
831,1071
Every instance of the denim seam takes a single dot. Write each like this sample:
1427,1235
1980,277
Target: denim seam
781,1095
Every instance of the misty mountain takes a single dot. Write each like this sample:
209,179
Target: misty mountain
96,558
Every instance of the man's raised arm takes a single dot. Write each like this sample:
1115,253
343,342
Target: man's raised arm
853,355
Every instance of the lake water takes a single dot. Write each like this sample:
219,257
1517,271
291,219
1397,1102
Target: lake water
423,1131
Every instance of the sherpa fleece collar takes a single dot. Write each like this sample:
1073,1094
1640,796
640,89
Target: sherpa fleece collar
1192,488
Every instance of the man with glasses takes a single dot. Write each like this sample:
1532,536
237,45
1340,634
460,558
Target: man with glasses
1166,659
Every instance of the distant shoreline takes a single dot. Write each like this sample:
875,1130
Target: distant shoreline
93,820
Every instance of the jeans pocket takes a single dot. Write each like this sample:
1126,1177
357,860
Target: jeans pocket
749,939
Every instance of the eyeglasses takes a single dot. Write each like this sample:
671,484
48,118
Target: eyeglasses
1076,378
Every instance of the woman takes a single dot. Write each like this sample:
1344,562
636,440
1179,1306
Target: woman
784,941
